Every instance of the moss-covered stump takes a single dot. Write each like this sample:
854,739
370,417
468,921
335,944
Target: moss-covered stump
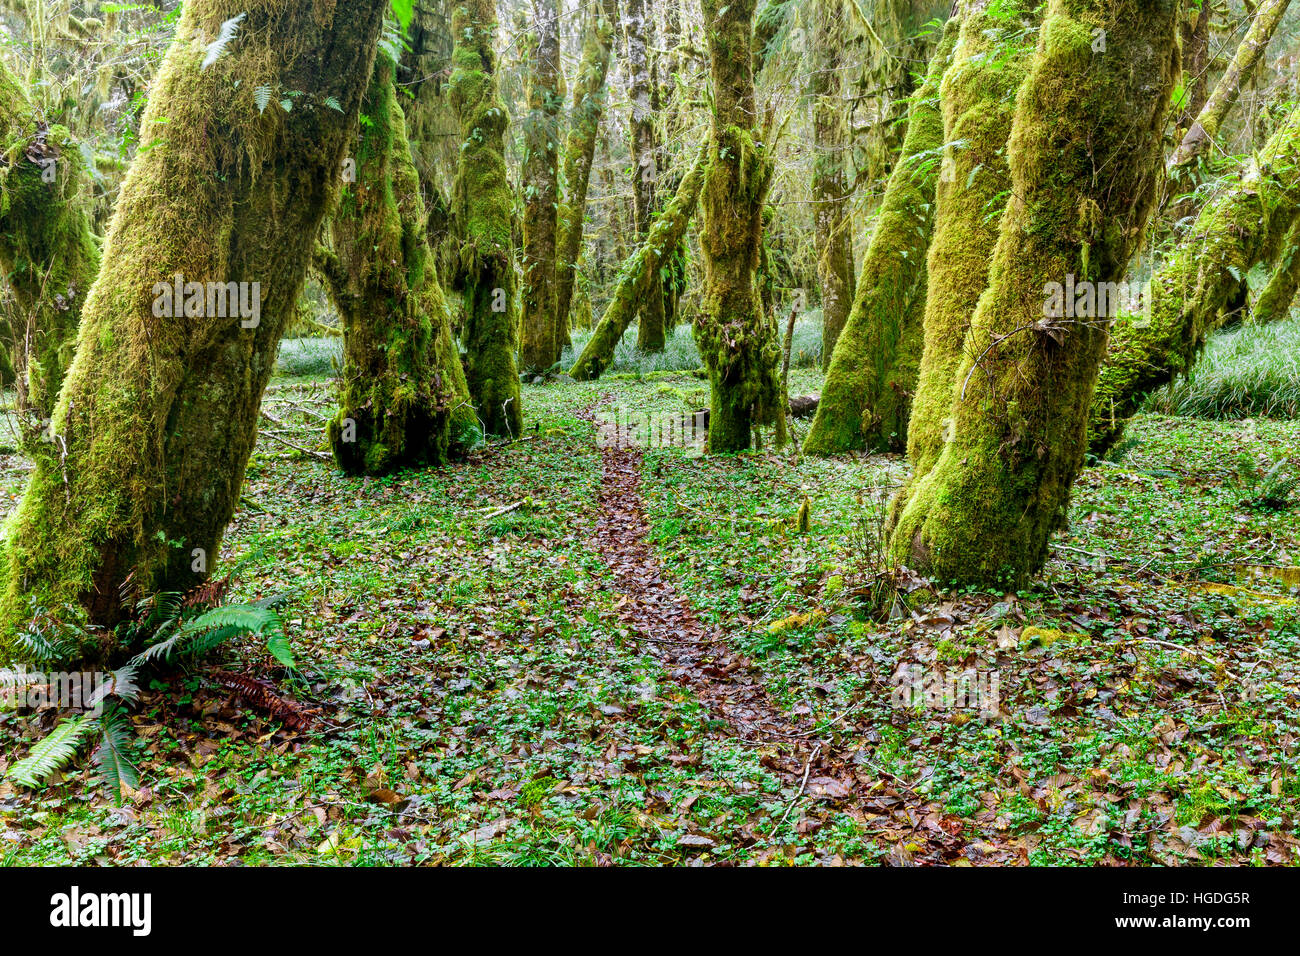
402,397
737,338
1245,225
867,393
158,414
49,256
978,94
1084,148
639,273
482,210
589,97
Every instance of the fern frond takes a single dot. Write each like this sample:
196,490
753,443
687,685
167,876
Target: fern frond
53,753
115,767
218,46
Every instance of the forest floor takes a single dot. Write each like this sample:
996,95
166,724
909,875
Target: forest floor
566,652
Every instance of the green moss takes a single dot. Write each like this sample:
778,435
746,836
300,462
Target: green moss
158,416
482,206
984,513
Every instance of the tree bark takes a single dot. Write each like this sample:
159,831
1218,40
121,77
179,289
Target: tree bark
541,340
978,95
157,416
402,399
48,254
481,209
1243,226
867,392
1084,151
638,273
738,339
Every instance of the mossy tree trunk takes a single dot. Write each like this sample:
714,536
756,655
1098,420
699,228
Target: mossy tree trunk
158,415
639,272
1274,302
978,94
831,188
48,254
1267,17
1243,226
402,399
589,96
867,393
541,341
643,143
482,210
738,340
1084,151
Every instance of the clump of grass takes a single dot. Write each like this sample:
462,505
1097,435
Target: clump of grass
317,357
681,355
1246,372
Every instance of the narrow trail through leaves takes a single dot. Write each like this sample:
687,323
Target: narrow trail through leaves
828,776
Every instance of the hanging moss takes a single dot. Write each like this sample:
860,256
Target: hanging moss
866,396
983,515
1243,226
541,339
483,208
157,415
402,398
589,98
638,273
978,94
48,254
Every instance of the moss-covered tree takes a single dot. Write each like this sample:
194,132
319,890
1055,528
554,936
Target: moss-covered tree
48,254
589,97
1275,299
402,395
1243,226
158,415
831,189
978,94
541,341
643,142
1084,152
640,271
738,339
867,392
482,210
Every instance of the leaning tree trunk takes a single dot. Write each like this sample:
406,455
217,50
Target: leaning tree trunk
158,415
1203,132
831,190
737,338
1084,151
1274,302
541,344
48,255
978,96
645,163
639,273
867,391
402,399
589,95
1243,226
482,205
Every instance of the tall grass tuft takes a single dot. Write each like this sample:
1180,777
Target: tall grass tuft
1246,372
